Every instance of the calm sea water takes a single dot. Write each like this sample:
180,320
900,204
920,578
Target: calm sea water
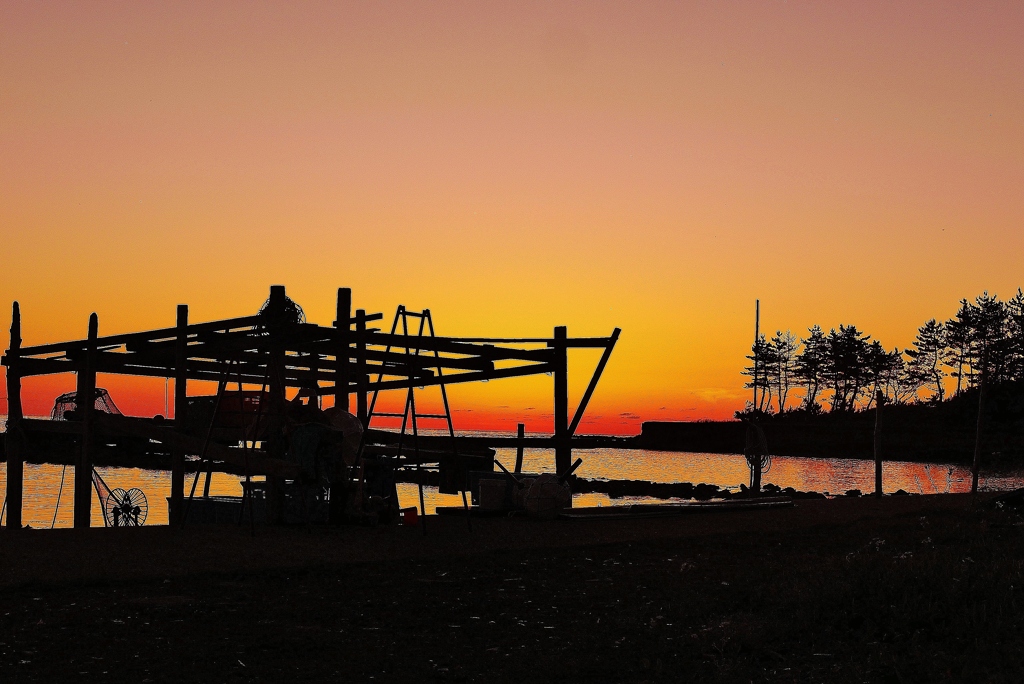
834,475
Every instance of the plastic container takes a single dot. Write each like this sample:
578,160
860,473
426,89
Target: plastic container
410,516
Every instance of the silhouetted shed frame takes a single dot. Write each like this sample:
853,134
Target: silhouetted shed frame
267,350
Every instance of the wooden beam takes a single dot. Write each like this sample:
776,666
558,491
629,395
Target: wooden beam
168,337
422,361
129,364
303,339
518,371
85,402
30,367
14,439
179,442
455,346
584,342
149,335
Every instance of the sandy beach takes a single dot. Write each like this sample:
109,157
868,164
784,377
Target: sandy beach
913,588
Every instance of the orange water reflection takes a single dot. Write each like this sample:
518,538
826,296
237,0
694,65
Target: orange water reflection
726,470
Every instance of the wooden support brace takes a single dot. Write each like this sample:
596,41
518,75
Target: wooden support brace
610,345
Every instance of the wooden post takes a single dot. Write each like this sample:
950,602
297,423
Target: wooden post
879,400
363,380
343,323
563,448
177,508
85,401
755,480
13,441
977,433
276,310
520,436
278,398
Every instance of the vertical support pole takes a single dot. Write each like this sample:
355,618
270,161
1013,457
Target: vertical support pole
278,399
976,463
563,448
180,416
343,323
277,353
879,400
85,400
363,380
520,438
14,441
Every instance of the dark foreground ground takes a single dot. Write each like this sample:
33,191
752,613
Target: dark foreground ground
909,589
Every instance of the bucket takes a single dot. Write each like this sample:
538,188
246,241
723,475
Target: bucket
409,516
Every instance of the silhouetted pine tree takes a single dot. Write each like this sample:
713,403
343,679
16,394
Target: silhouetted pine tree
782,365
845,368
927,355
811,365
1015,332
846,353
760,359
990,344
959,337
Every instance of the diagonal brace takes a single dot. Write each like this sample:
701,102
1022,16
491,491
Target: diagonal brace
593,381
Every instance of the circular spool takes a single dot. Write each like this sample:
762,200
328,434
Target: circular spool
126,508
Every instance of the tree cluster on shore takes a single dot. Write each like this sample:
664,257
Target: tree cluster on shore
845,369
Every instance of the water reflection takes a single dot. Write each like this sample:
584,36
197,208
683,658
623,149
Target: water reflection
42,484
835,475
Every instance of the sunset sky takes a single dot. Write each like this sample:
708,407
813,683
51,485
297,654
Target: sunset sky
514,166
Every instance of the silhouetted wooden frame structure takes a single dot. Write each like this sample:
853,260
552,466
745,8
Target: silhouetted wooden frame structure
264,350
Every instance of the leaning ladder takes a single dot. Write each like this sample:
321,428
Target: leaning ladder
410,417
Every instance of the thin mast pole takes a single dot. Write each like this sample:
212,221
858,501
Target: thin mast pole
757,338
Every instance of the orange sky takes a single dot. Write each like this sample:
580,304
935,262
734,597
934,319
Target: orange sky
515,166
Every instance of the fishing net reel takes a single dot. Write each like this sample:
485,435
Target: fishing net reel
126,508
120,508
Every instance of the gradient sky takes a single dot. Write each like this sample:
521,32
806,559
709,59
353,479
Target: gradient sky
515,166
